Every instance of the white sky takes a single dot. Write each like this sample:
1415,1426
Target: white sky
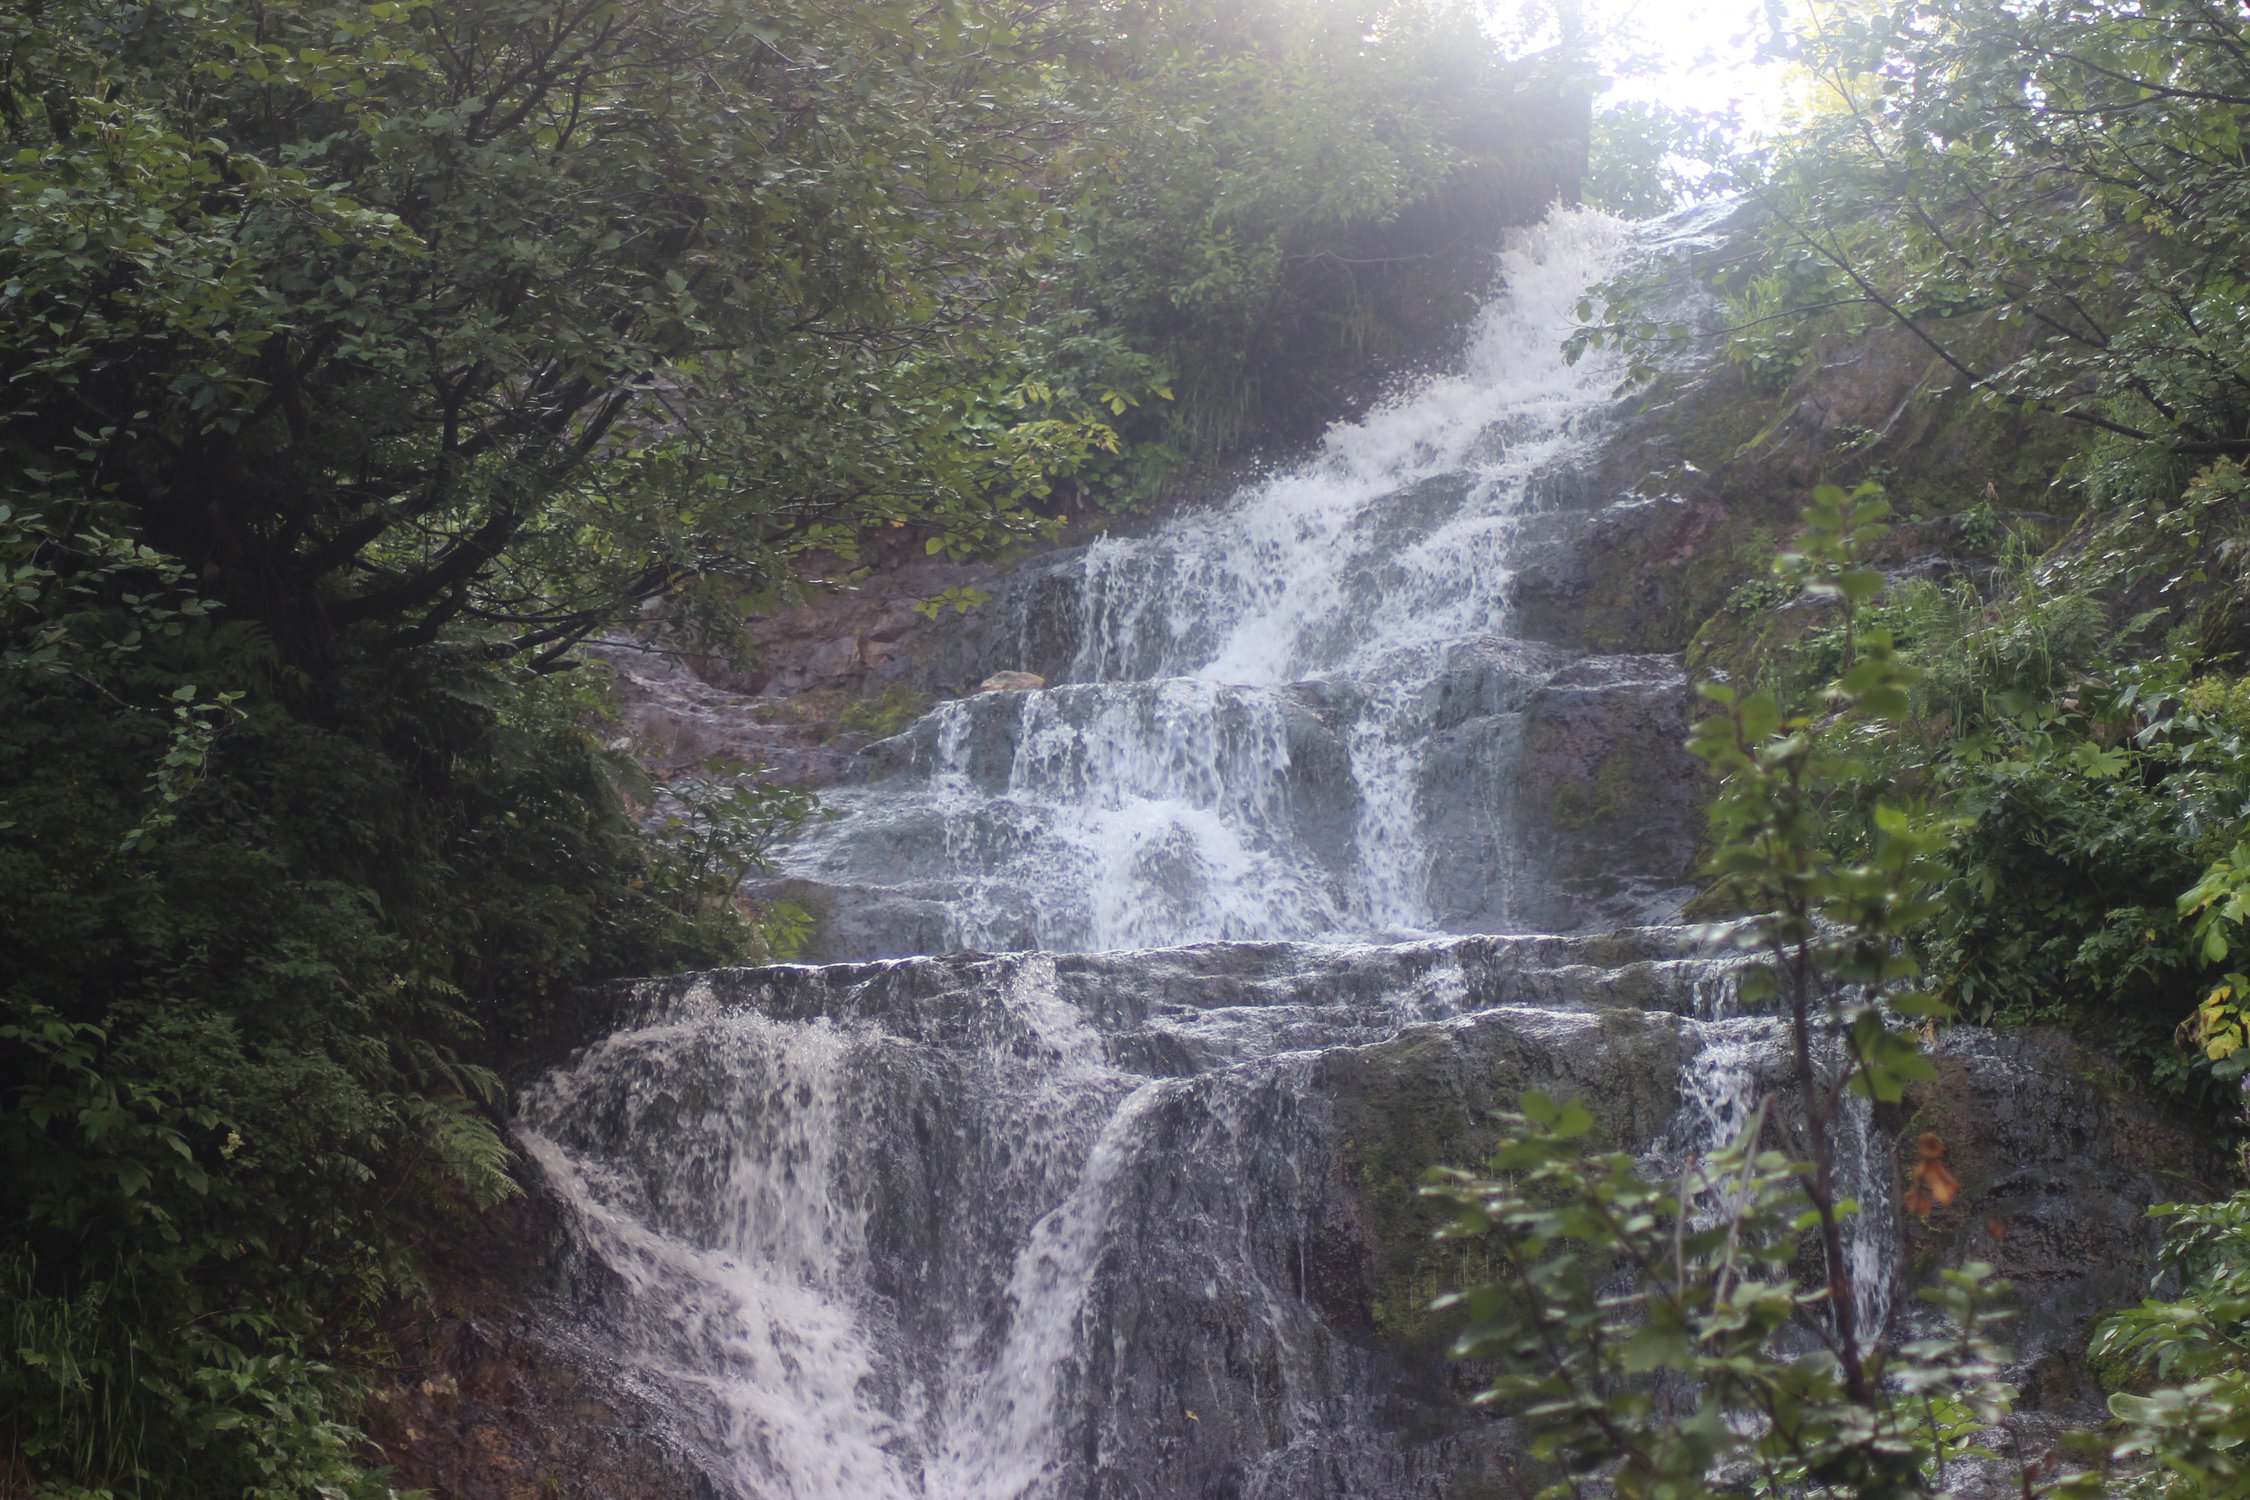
1704,51
1695,54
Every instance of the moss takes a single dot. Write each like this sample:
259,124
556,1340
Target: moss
1402,1118
1722,419
1616,784
882,714
1741,456
1613,792
813,707
1414,1267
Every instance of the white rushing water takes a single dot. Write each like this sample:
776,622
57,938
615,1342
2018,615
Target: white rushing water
982,1229
1261,689
1079,1225
1745,1062
726,1165
1395,534
869,1253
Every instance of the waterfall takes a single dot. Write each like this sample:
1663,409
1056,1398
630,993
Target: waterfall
1033,1226
1262,691
1746,1061
1099,1212
1395,533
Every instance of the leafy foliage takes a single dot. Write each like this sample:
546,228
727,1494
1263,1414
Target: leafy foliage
1646,159
2072,714
482,316
361,361
235,1038
2184,1436
357,353
1701,1379
1659,1338
2047,197
1656,1337
2071,168
729,817
1282,190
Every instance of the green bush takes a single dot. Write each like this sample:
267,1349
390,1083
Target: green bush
2184,1434
234,1012
884,713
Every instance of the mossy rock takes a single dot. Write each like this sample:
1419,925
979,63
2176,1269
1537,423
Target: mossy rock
1710,468
1432,1097
883,713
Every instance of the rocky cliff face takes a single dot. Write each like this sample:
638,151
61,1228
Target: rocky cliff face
2060,1158
1150,1217
1712,462
1145,1222
1307,710
495,1391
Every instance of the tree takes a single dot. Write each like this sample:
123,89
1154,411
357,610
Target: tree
2049,196
360,360
1275,193
363,358
1655,1337
508,315
2183,1435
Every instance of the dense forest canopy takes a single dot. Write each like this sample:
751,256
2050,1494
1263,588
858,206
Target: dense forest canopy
2047,200
408,315
364,359
2073,171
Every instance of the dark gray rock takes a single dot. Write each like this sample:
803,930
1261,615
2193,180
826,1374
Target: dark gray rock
2060,1156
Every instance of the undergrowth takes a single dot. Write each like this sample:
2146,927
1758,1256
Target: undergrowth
2080,709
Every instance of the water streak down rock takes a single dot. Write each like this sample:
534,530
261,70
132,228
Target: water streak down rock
1130,1212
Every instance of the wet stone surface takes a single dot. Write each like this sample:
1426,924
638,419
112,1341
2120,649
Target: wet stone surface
1089,1167
1146,1224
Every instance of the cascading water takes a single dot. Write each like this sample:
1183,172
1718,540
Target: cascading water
1076,1224
1051,1225
1260,693
1745,1061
